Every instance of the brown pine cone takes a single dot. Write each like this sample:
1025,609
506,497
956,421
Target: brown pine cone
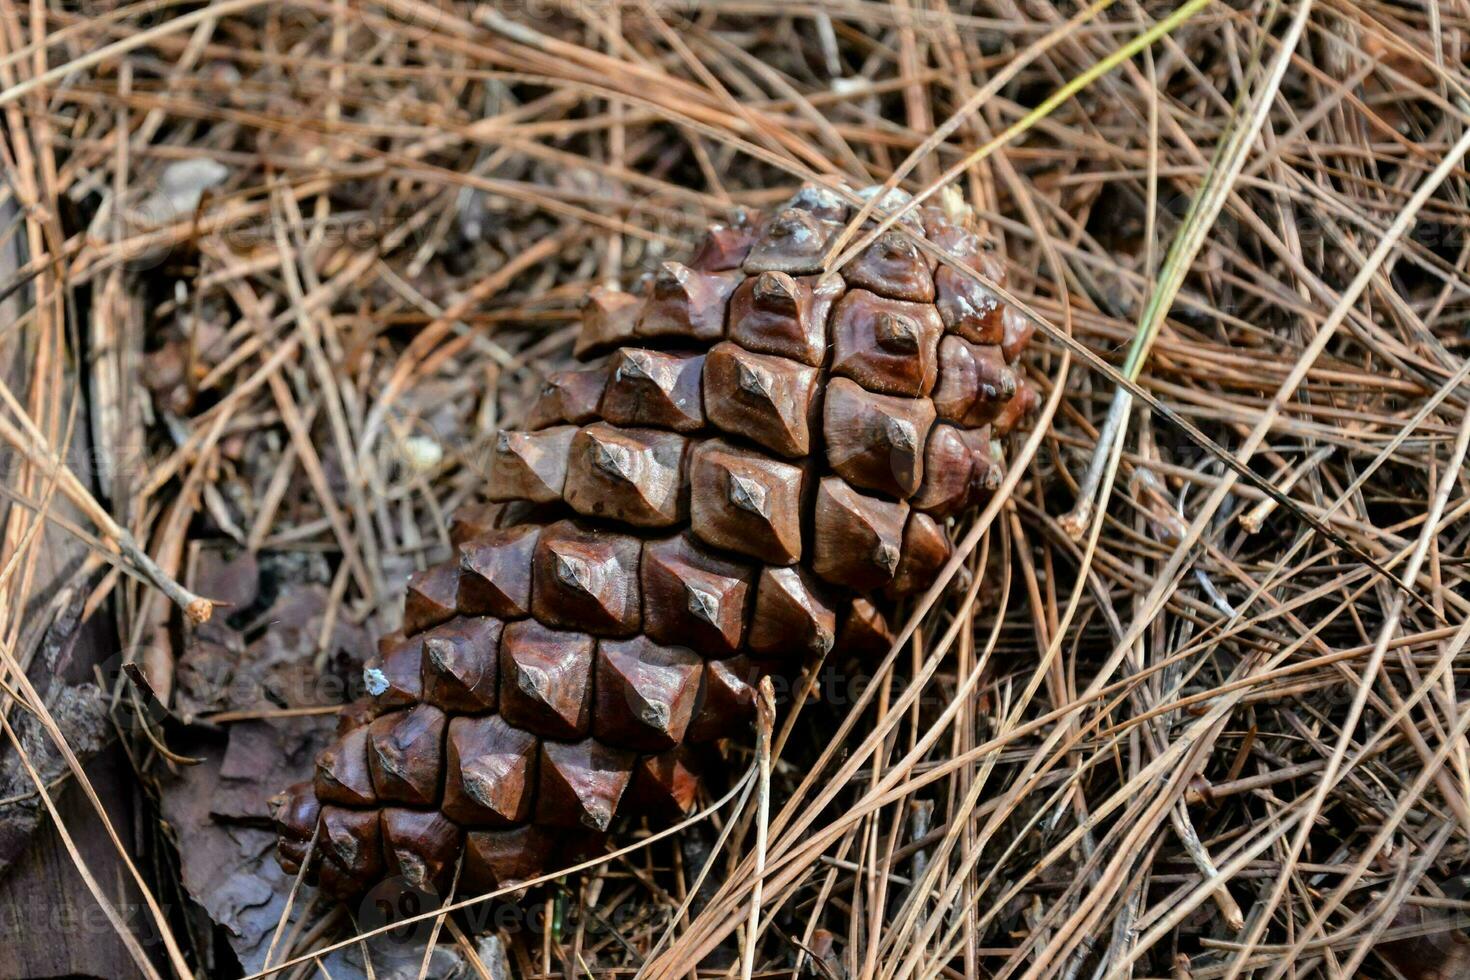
759,459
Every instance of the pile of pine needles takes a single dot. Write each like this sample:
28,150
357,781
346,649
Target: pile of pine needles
1194,711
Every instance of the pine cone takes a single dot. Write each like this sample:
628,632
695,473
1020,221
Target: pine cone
760,459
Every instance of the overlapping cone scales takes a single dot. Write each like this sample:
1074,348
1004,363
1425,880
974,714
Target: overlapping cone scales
490,771
406,755
459,664
626,475
342,773
874,441
694,595
420,846
645,693
757,458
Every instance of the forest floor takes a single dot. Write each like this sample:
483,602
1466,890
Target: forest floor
274,274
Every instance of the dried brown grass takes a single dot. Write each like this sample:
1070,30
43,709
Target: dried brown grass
1198,713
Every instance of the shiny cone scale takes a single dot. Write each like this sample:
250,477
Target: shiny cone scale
755,460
